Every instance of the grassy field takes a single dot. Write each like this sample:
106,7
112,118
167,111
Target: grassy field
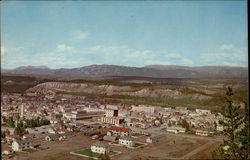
138,144
137,134
89,153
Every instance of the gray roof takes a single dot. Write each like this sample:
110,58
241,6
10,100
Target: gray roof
98,144
127,138
23,141
109,138
55,136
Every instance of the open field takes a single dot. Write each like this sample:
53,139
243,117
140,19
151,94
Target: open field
170,147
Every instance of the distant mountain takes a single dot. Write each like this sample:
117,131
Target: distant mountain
156,71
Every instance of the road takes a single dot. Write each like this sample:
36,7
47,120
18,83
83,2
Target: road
197,150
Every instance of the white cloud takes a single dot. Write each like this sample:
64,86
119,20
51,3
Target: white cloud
79,35
3,50
124,55
226,47
63,48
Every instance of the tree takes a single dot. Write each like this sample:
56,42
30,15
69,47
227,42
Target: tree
19,130
232,124
244,135
10,122
104,157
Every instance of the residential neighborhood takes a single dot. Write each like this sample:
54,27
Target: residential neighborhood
115,124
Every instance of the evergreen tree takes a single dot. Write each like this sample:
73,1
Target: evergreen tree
243,139
232,124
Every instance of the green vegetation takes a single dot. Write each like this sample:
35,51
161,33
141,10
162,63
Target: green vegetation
10,122
29,123
138,144
137,134
22,83
116,142
236,142
30,150
184,124
89,153
158,101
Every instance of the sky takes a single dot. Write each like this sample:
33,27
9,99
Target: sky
69,34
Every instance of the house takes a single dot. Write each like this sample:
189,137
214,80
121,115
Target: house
100,148
119,131
28,136
127,141
22,144
219,127
109,138
55,137
176,129
10,138
156,138
202,111
204,131
112,120
61,131
52,131
6,150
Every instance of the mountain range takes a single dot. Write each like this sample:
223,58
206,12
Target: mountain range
156,71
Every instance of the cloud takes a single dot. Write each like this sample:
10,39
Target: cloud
79,35
63,48
226,47
3,50
124,55
225,55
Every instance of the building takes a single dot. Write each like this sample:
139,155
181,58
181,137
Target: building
202,111
55,137
22,144
119,131
10,138
6,150
100,148
181,108
143,108
112,120
109,138
28,136
176,129
127,141
111,113
204,131
80,115
156,138
22,112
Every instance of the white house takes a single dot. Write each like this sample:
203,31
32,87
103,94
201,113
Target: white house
22,144
204,131
202,111
127,141
119,131
176,129
100,148
55,137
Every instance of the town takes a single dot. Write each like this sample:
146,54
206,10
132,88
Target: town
31,121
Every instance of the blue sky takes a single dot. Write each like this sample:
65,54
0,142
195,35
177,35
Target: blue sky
67,34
